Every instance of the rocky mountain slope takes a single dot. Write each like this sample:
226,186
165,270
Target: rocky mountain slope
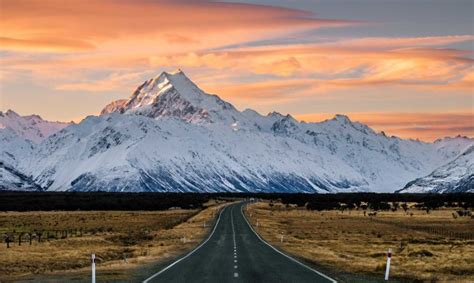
11,179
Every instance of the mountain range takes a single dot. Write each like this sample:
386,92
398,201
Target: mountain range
455,176
171,136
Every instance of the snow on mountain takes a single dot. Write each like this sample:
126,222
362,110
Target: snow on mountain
13,147
172,136
136,153
31,127
11,179
19,136
451,147
385,162
114,106
455,176
13,150
175,95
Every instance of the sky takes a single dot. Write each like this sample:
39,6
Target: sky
402,67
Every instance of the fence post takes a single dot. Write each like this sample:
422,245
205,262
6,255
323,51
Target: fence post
93,268
387,269
7,240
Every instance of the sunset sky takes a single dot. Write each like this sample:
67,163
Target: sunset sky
404,67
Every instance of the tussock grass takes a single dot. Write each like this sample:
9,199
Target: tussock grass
139,236
352,242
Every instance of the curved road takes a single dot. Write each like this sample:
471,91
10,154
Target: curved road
233,252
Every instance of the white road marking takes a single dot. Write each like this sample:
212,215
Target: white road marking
190,253
232,221
283,254
233,238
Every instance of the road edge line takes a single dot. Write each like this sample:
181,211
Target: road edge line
282,253
188,254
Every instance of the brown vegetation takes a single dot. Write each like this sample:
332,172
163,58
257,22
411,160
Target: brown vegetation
121,239
434,246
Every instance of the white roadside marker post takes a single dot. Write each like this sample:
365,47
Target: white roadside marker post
387,269
281,238
93,268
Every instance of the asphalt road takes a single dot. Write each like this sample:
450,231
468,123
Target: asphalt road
235,253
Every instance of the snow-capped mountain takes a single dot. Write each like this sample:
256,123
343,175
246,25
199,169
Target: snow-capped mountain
136,153
31,127
19,136
172,136
451,147
455,176
173,94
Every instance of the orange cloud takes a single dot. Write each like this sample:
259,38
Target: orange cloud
424,126
342,65
143,25
44,44
269,92
111,82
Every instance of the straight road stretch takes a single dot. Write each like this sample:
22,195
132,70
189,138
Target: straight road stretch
234,252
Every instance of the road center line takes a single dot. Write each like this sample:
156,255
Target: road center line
232,221
191,252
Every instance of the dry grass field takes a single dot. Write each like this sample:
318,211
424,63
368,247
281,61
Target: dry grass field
434,247
120,239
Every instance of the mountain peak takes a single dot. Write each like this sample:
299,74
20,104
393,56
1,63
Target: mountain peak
342,118
175,72
11,113
173,94
275,114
